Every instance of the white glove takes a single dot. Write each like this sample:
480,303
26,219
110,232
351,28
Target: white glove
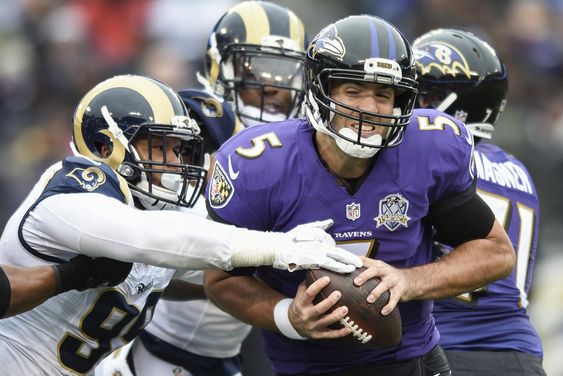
308,246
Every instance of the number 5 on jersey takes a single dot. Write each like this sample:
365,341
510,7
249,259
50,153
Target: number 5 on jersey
259,145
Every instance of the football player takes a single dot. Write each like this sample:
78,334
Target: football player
254,59
486,331
264,44
386,174
187,333
138,153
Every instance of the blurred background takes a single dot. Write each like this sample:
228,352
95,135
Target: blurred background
53,51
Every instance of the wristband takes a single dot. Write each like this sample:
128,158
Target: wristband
281,318
5,293
61,273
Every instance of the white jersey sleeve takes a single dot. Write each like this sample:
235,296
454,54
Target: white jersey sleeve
111,229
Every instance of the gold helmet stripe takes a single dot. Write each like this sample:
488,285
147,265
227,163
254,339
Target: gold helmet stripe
239,126
296,30
124,187
255,21
157,99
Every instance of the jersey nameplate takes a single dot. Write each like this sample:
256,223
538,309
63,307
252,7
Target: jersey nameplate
506,174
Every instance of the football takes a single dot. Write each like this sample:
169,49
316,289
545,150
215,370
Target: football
369,328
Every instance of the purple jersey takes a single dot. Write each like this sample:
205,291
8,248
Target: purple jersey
494,318
271,178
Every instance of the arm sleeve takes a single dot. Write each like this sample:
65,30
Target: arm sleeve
190,276
5,293
458,219
99,226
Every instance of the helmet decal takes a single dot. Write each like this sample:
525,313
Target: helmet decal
444,57
461,74
330,43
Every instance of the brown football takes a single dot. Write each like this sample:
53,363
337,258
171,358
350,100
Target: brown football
369,328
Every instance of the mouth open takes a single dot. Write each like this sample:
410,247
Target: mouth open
367,129
272,108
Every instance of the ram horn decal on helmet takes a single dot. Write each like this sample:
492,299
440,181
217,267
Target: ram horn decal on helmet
123,109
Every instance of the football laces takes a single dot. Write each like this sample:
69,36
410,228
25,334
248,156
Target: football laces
356,331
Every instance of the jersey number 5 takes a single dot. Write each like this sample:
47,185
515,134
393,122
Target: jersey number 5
259,145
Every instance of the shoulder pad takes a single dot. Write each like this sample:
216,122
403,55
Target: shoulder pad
81,175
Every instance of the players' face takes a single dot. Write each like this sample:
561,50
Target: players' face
370,97
269,77
429,100
160,152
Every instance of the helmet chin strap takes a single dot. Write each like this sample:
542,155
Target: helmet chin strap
170,188
114,128
171,184
447,102
349,148
482,130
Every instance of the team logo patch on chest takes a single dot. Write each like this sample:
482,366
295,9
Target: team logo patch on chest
353,211
393,212
222,188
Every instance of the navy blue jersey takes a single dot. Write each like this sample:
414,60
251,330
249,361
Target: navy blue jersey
494,317
76,175
271,178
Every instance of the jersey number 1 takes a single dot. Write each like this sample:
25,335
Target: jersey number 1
501,206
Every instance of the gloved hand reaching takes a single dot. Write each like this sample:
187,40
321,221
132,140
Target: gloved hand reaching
310,247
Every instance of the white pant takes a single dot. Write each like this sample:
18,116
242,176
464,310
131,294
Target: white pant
146,364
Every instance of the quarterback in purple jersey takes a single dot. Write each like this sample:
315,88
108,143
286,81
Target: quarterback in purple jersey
385,174
486,331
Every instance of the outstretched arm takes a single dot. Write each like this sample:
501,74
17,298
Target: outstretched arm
22,289
99,226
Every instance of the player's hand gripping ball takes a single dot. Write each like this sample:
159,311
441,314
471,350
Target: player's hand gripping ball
368,327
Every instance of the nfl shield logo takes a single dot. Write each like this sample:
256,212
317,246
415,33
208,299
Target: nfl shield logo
353,211
461,115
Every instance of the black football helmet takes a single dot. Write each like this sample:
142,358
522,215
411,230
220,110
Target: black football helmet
120,110
461,74
362,49
257,46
